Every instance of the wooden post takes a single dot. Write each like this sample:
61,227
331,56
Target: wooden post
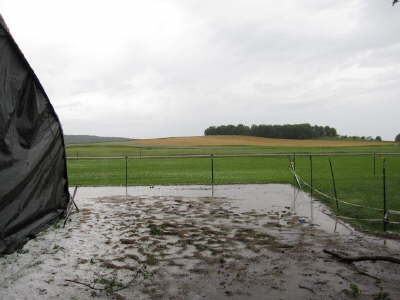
384,196
334,184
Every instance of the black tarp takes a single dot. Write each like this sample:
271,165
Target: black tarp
33,174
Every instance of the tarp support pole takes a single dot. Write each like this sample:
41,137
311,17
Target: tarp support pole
72,199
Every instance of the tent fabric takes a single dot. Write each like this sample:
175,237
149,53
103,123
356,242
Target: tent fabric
33,174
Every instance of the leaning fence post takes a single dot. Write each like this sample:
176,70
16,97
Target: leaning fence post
294,161
384,196
334,184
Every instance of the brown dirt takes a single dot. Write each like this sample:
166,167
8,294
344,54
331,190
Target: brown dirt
234,140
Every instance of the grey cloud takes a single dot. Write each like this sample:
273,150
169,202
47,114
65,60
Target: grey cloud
165,68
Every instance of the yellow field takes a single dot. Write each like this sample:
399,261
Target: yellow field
237,140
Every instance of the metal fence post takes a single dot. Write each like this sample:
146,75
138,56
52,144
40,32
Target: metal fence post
311,177
126,176
212,174
312,190
374,161
385,216
334,184
212,169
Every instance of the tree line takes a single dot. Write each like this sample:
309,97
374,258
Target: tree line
288,131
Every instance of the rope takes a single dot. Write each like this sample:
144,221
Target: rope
369,220
301,180
358,219
393,212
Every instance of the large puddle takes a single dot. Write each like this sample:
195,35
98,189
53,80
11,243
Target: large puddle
282,199
198,242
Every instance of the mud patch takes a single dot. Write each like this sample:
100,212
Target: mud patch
246,242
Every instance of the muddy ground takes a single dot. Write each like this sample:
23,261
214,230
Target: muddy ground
187,242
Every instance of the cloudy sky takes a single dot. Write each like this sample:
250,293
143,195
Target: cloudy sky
159,68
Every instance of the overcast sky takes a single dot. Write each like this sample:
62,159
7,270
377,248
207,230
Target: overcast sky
151,68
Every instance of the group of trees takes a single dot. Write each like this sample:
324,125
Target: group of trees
362,138
288,131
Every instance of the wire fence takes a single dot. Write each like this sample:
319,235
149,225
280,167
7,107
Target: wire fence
364,188
155,170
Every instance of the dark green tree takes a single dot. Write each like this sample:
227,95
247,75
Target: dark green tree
397,139
287,131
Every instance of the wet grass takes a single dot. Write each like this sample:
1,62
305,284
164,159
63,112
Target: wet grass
171,171
356,183
132,149
355,179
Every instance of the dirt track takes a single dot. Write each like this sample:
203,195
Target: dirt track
246,242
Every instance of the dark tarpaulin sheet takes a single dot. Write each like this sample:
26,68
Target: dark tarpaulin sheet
33,175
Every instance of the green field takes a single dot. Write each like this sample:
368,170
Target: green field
129,149
354,176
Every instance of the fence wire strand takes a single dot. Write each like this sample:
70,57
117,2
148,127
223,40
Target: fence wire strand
385,219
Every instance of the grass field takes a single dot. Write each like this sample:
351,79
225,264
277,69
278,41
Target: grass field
355,180
223,145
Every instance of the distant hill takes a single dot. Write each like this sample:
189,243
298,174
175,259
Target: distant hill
85,139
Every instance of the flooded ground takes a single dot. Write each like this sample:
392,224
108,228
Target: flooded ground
189,242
